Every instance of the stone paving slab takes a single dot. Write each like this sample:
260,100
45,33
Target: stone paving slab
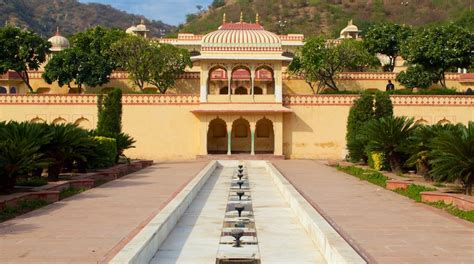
89,227
385,226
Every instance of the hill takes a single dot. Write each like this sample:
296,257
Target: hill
43,16
326,17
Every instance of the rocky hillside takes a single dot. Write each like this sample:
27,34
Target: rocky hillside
43,16
327,16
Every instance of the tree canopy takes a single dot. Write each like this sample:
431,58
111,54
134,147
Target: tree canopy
319,62
89,61
22,51
415,76
387,38
440,49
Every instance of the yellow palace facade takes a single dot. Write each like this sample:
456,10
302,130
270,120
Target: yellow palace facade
236,99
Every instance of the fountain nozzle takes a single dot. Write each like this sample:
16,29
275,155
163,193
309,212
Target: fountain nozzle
240,194
239,208
240,183
237,233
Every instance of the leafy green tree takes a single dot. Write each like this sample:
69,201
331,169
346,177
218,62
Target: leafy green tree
390,135
89,61
22,51
319,62
440,49
453,156
168,63
109,122
74,66
415,77
387,38
135,55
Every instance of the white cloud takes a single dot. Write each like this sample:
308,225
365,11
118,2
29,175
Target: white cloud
169,11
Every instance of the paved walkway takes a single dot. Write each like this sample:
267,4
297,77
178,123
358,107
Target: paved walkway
92,225
386,226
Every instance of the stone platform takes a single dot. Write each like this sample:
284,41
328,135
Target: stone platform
240,157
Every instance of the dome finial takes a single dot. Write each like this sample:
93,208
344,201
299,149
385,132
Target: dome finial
224,17
57,31
350,23
257,19
241,16
142,21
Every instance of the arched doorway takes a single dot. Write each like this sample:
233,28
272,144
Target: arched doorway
224,90
217,137
241,90
264,137
241,138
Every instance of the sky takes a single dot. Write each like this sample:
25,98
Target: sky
172,12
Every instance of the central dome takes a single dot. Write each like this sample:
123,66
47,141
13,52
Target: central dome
241,37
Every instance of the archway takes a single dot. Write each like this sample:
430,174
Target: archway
264,137
217,137
13,90
3,90
265,79
224,90
241,90
217,79
257,90
241,139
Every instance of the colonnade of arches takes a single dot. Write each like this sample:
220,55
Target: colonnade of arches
5,90
242,80
81,122
240,136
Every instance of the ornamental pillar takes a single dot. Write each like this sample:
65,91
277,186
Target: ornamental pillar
252,138
204,83
252,77
229,81
278,84
229,138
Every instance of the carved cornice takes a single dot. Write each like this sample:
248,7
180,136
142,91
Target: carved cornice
397,100
91,99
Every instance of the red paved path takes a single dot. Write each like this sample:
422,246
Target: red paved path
86,227
389,227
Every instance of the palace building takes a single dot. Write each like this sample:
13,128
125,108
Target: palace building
236,99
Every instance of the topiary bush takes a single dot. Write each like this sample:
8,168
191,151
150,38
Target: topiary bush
360,113
109,106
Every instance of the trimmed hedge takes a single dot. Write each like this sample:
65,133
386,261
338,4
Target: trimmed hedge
106,150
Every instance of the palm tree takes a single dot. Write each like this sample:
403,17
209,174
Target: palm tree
419,147
66,141
453,156
390,135
20,145
124,142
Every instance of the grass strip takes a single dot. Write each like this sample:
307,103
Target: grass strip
70,192
22,207
371,176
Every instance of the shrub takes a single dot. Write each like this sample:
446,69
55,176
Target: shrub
124,142
383,105
106,152
20,145
390,136
377,161
33,182
360,113
415,77
452,155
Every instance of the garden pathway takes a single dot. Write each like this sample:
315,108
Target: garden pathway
386,227
90,227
